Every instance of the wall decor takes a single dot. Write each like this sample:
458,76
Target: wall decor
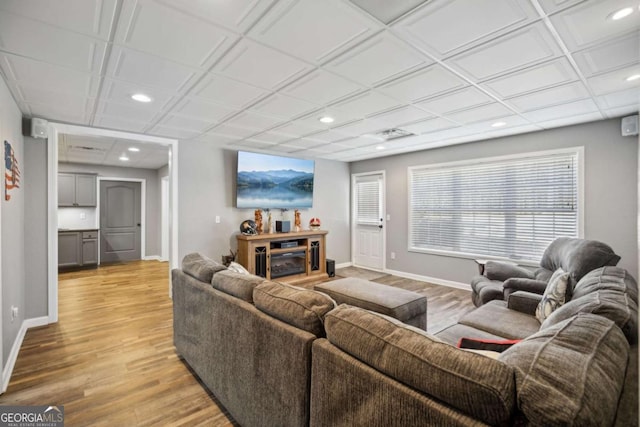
11,170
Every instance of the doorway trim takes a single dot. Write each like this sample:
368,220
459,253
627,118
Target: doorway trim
143,210
54,130
164,218
354,176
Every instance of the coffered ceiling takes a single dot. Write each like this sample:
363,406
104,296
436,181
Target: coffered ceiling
258,74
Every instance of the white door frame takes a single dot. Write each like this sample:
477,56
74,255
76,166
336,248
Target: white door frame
143,210
164,218
54,131
384,215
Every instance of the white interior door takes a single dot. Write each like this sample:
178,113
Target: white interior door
368,220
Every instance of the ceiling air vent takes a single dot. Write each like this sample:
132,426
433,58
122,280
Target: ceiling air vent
85,148
393,133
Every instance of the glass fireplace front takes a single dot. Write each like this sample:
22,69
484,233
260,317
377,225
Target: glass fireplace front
287,264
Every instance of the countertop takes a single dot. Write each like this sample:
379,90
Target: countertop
62,230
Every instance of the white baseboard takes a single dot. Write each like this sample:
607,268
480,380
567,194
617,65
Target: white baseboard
434,280
153,258
15,348
344,265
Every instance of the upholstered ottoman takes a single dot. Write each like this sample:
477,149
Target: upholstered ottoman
406,306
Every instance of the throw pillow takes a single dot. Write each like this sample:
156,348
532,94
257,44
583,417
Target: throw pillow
554,295
488,345
238,268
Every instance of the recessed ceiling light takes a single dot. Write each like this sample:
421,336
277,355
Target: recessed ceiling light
124,158
326,119
498,124
622,13
141,97
633,77
380,147
134,149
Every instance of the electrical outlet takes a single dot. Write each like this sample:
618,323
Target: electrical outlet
217,219
14,312
388,217
83,215
393,255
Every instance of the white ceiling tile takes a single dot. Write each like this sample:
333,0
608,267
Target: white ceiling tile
186,122
551,6
361,141
587,23
605,57
476,21
203,110
400,116
283,148
261,66
218,139
380,58
614,81
118,123
329,148
298,128
272,137
549,97
460,100
506,131
576,108
251,120
233,131
252,143
552,73
328,136
622,111
313,30
90,17
623,98
321,87
236,15
365,104
77,104
519,49
155,28
485,112
570,120
44,42
46,76
54,112
128,111
226,91
302,143
430,125
144,69
357,128
173,132
423,83
283,106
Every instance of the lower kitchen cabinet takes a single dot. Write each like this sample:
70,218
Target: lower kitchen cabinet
77,248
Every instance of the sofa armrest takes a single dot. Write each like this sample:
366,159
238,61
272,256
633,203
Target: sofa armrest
524,302
496,270
520,284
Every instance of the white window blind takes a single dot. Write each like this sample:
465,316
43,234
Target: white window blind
368,202
509,208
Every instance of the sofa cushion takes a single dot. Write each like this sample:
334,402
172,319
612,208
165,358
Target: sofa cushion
611,278
571,373
496,270
239,285
577,256
495,318
554,295
200,267
475,384
302,308
615,306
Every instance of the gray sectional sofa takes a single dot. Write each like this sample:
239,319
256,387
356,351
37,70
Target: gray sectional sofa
276,355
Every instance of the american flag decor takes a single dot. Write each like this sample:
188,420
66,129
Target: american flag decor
11,171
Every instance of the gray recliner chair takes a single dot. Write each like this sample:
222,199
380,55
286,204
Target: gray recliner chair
576,256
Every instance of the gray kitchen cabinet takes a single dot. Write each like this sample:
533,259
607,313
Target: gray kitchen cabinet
69,249
77,248
77,189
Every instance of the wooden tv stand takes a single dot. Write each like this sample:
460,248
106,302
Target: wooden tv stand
295,257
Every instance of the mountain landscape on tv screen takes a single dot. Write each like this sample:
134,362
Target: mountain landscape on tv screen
285,188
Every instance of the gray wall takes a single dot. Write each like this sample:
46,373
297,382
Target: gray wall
611,191
13,224
207,176
152,234
35,230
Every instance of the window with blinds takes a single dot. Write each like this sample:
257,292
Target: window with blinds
501,207
368,202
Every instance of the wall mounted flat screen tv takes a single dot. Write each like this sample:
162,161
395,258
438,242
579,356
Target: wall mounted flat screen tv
273,182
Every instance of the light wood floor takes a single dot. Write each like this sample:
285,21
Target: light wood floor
110,359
